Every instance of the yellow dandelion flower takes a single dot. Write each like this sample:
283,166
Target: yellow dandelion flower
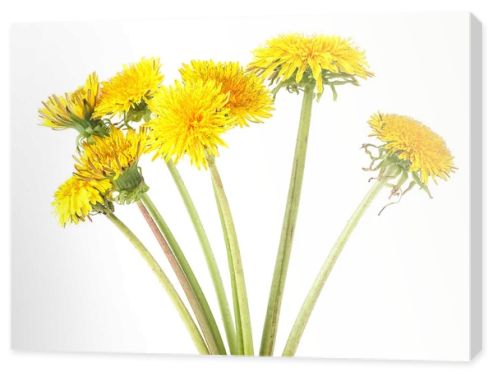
190,119
299,59
110,156
130,89
72,110
76,199
249,100
425,152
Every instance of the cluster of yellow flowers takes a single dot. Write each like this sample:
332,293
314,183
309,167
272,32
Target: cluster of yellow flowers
188,117
191,115
135,113
105,152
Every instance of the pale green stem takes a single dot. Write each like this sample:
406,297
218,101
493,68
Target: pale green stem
165,282
288,228
312,297
236,307
200,298
209,257
234,258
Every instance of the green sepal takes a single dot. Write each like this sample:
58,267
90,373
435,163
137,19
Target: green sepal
138,113
130,186
330,79
104,207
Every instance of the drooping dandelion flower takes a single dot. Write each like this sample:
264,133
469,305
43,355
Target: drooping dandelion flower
115,157
296,59
190,120
130,89
409,147
417,146
72,110
249,100
76,199
410,151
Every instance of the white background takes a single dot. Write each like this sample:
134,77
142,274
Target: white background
134,364
399,291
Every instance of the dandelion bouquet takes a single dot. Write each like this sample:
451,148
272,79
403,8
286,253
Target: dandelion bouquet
138,114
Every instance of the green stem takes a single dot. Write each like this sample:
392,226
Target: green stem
236,307
287,231
166,238
165,282
234,258
314,292
209,257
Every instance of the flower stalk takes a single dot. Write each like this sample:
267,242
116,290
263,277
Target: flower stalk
165,282
313,295
213,268
288,227
184,273
242,312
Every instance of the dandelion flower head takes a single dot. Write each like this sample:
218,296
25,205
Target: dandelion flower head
299,59
249,99
130,89
424,151
76,199
190,120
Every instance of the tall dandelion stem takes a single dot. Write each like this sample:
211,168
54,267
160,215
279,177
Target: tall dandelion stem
165,282
288,227
184,274
242,313
312,297
227,317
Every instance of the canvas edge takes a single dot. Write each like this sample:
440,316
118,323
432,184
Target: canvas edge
475,199
476,186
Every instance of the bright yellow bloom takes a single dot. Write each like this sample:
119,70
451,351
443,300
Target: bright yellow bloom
76,198
110,156
72,110
413,142
249,100
190,119
133,86
296,57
